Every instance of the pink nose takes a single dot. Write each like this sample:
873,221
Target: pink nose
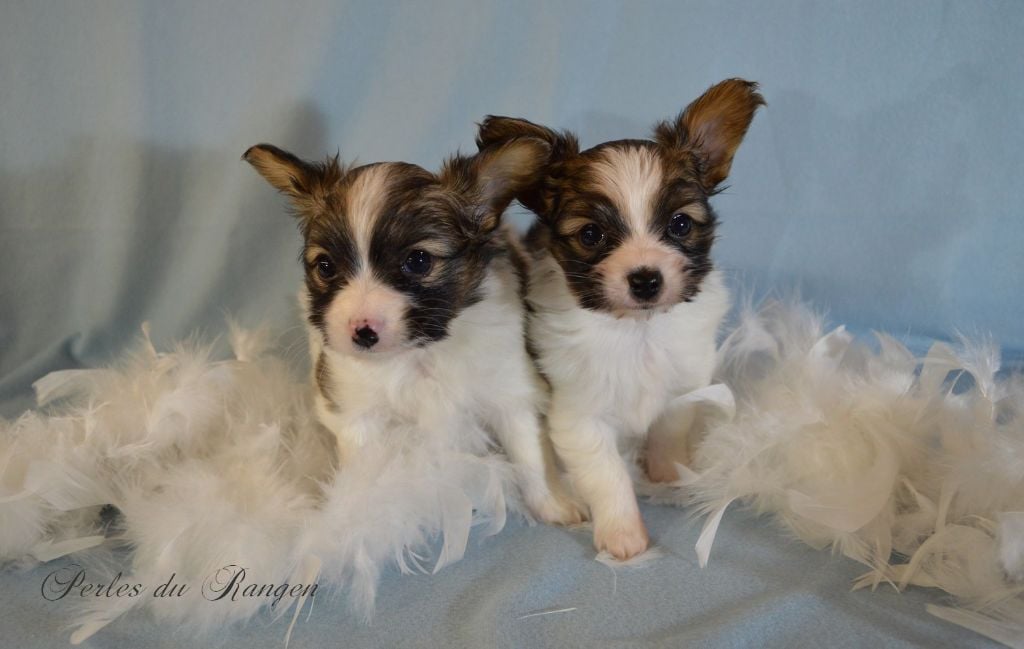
365,332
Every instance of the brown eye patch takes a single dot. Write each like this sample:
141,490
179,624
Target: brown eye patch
330,242
684,223
681,196
319,265
324,280
422,225
581,215
571,226
425,261
683,202
589,209
439,248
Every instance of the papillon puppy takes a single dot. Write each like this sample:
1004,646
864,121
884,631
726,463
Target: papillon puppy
413,296
624,303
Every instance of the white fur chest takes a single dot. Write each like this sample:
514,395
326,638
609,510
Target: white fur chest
415,388
623,370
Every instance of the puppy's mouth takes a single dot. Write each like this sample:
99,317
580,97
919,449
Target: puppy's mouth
640,311
351,349
642,290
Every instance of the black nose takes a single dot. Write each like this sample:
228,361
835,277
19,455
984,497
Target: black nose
645,283
365,337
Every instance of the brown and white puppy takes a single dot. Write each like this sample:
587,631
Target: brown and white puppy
413,295
625,303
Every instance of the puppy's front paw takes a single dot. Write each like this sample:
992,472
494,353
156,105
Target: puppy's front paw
623,539
556,508
662,468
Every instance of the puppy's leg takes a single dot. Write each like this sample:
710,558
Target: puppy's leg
590,453
668,443
521,435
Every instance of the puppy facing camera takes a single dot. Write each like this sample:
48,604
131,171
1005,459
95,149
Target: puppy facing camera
624,302
412,297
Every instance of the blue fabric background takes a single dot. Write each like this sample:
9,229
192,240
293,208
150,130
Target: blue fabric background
758,591
883,180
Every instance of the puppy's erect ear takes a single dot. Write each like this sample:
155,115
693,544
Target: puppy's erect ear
495,131
498,130
305,183
713,127
491,179
288,174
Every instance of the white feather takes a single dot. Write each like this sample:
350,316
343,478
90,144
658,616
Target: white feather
867,451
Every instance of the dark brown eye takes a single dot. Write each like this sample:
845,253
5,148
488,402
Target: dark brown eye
680,225
325,267
418,262
590,236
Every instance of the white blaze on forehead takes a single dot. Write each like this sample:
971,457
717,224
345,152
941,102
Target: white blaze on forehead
364,202
365,300
631,177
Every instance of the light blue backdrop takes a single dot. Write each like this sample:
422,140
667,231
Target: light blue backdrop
884,179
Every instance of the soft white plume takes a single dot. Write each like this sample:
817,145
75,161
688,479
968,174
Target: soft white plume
912,466
217,465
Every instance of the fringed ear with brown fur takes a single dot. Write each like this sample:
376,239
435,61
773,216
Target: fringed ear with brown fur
713,127
495,131
288,173
498,130
305,183
494,177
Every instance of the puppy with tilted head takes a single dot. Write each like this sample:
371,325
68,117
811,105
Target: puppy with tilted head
625,304
413,296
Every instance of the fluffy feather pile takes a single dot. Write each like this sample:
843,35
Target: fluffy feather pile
215,463
912,466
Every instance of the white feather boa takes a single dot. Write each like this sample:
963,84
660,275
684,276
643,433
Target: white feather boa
913,467
216,463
